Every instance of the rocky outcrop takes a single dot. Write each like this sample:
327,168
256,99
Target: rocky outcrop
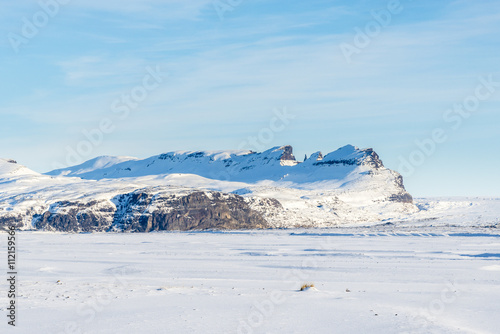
367,157
371,158
402,196
287,154
145,211
67,216
11,220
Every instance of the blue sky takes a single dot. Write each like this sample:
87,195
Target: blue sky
224,77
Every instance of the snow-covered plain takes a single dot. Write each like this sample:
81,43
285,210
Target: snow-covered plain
368,279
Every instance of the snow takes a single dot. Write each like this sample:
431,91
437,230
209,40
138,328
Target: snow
367,280
246,166
347,152
92,165
9,168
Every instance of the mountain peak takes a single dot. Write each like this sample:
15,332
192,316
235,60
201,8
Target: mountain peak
352,155
100,162
285,155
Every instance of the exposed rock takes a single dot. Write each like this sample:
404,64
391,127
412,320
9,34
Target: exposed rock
143,211
68,216
362,157
372,159
287,153
11,220
403,196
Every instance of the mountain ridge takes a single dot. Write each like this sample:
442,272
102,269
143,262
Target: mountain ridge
274,164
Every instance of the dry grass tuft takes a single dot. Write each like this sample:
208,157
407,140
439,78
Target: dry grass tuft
306,286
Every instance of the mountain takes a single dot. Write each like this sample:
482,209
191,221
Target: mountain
186,190
11,169
276,164
102,162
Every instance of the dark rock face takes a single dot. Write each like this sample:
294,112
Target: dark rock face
372,158
75,217
142,211
287,153
11,220
344,162
403,196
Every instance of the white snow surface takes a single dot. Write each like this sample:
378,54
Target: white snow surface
375,279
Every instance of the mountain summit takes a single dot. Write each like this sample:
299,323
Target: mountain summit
274,164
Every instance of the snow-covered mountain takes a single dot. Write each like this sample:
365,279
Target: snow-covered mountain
205,189
276,164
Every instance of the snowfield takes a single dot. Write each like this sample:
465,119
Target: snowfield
405,278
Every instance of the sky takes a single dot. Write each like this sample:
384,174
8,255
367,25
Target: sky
417,81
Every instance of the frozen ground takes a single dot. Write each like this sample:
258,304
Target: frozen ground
381,279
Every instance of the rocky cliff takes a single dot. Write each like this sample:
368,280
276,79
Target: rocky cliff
146,210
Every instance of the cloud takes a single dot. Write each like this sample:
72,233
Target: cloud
100,70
